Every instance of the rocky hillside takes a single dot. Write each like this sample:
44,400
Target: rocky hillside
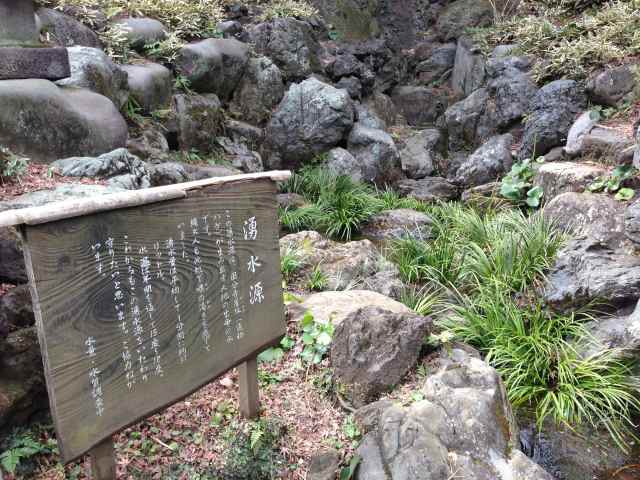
459,242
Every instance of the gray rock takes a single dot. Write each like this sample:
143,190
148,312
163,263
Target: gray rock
394,224
467,123
230,29
244,132
213,65
588,271
66,31
459,15
151,144
429,189
290,200
553,111
167,173
260,91
337,306
422,153
464,426
368,118
420,105
636,153
22,385
324,465
341,162
436,69
488,162
595,216
376,153
560,177
346,265
151,85
240,156
44,122
383,107
619,331
51,63
468,69
12,264
199,120
290,43
345,65
374,348
580,128
352,85
61,192
632,222
611,86
92,69
16,309
512,91
312,118
141,32
200,172
608,143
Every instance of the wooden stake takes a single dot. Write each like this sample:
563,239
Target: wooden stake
249,394
103,461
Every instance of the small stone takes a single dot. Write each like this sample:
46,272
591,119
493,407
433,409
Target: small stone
429,189
142,31
66,31
487,163
151,85
341,162
399,223
423,151
376,153
610,86
420,105
324,466
560,177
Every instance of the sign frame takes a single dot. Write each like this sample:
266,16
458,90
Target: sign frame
101,451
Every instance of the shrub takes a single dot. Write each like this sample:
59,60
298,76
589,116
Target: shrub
288,8
536,355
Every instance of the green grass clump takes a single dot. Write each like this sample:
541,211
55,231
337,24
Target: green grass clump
536,354
290,263
567,43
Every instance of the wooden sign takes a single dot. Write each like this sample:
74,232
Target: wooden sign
138,304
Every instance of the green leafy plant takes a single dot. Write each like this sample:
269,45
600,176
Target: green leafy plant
182,83
350,429
516,185
316,337
613,182
275,354
12,166
287,8
290,263
317,280
424,300
22,446
166,51
349,472
132,110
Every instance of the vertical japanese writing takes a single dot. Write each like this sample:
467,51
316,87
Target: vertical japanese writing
94,377
201,285
256,289
234,277
134,311
159,271
120,306
95,250
223,275
175,291
145,265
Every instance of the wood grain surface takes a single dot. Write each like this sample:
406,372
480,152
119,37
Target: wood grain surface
83,341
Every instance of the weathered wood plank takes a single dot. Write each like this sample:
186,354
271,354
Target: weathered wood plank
103,461
86,206
107,369
249,393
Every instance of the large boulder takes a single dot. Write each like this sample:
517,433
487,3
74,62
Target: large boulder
142,31
611,86
92,69
632,222
22,385
337,306
151,143
108,165
423,153
460,15
469,68
556,178
12,265
312,118
44,122
487,163
240,156
290,43
428,189
345,265
436,69
373,349
464,427
66,31
398,223
213,65
341,162
553,111
199,120
467,123
420,105
150,84
376,153
167,173
259,92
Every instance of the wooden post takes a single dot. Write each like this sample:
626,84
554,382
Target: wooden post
103,461
249,395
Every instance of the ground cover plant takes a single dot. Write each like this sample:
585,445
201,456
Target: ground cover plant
568,38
